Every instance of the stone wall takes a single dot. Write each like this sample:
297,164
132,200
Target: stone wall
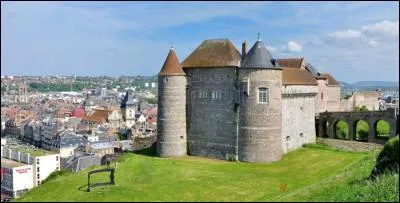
210,119
333,98
320,104
260,127
171,118
298,116
368,99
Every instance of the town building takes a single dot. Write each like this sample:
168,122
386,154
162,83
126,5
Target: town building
16,177
43,162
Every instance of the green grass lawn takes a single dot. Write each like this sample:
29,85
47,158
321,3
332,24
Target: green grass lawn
309,174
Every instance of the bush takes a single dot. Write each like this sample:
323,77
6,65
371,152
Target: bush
363,108
342,130
388,158
382,128
362,130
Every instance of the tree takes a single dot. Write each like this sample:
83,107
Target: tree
363,108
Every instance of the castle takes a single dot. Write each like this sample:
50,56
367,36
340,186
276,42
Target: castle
220,103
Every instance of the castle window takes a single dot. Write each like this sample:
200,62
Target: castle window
262,95
216,94
202,94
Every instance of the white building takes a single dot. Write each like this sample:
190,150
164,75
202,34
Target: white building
68,143
153,85
146,84
16,177
43,162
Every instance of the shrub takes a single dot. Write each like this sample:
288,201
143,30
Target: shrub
342,130
382,128
388,158
362,130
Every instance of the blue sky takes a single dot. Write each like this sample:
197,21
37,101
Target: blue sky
351,40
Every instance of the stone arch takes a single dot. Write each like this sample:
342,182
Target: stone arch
361,130
382,129
341,129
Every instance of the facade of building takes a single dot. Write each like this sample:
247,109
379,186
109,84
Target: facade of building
16,177
43,163
222,104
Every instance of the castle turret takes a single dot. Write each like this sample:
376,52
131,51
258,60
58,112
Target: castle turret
171,118
260,122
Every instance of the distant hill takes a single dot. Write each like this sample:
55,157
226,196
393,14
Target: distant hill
376,84
343,83
370,84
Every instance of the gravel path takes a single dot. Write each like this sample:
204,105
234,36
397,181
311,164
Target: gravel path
350,145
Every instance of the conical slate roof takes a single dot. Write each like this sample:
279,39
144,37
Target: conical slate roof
128,99
259,57
171,65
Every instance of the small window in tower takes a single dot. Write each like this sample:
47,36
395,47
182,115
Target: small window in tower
262,95
322,96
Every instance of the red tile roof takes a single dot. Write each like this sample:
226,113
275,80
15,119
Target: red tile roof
171,65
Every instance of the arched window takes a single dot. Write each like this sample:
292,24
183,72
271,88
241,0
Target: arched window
262,95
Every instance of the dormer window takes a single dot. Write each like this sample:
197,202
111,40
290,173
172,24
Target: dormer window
262,95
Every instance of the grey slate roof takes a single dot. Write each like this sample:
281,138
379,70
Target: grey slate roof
311,68
72,140
259,57
128,99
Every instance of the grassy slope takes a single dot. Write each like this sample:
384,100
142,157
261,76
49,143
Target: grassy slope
143,178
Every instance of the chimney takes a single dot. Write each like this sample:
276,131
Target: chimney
244,48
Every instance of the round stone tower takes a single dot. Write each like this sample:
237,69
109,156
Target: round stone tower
260,111
171,118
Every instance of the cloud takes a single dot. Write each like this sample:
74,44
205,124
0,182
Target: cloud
294,46
347,34
383,31
290,47
271,48
371,35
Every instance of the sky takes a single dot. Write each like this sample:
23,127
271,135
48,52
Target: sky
353,41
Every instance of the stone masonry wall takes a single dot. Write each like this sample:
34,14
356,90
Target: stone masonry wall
171,118
210,119
298,120
260,130
333,98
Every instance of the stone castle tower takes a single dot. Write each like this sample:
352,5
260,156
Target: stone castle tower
128,109
260,111
171,118
220,103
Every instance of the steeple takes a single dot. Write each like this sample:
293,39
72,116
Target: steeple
172,66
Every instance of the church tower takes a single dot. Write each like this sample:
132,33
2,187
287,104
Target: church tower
128,109
260,121
171,118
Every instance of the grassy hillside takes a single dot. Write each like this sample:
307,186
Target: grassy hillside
305,172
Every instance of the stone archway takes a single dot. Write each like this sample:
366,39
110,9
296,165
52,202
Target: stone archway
361,130
382,129
341,130
367,121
